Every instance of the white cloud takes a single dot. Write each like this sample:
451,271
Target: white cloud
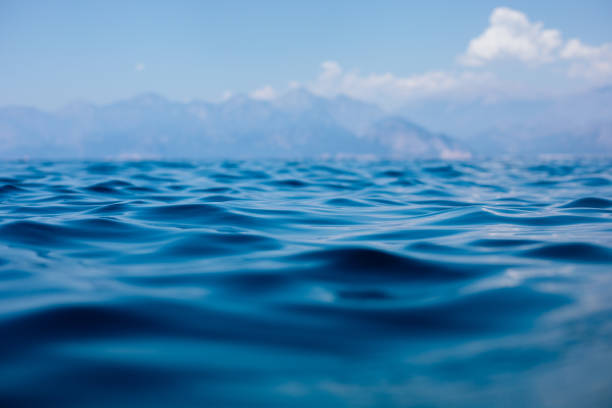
294,85
593,63
264,93
576,49
330,69
390,90
139,67
511,35
226,95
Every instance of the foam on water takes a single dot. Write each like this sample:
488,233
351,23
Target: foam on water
303,283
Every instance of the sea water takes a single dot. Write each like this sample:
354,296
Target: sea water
306,283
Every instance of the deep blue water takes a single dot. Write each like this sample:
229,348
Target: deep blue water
301,284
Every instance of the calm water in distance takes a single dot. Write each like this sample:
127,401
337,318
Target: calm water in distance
306,284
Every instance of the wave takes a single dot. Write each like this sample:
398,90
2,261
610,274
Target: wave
302,283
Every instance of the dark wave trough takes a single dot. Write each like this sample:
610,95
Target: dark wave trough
306,283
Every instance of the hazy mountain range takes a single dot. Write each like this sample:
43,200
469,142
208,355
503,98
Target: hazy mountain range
578,123
300,124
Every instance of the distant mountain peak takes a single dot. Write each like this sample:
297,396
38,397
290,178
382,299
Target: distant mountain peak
148,98
406,139
395,122
298,98
297,124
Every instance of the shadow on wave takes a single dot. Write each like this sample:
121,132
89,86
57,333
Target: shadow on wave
359,264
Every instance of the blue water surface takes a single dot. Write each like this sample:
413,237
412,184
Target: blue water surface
306,284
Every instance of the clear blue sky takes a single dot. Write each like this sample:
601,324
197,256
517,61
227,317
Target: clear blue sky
54,52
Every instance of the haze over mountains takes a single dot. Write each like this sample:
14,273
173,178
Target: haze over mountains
301,124
578,123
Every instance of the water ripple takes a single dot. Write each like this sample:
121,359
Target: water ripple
305,283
